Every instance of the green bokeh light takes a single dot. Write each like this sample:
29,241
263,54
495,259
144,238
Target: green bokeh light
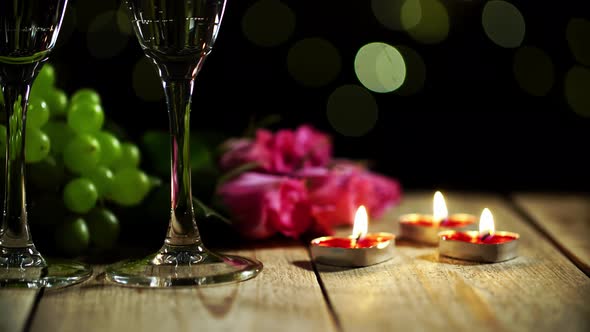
533,70
388,12
578,39
576,86
123,21
87,11
415,71
314,62
146,83
104,40
380,67
503,23
426,21
352,110
268,23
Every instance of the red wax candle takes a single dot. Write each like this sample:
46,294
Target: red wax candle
373,248
423,228
370,240
356,250
426,220
501,237
485,245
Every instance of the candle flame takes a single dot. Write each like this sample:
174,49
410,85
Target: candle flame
361,223
486,222
439,208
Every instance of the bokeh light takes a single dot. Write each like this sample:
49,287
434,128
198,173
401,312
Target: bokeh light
314,62
576,85
352,110
268,23
380,67
86,11
503,23
388,13
146,83
415,71
123,20
578,39
533,70
104,40
426,21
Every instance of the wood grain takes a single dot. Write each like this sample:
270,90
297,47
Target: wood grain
285,296
15,308
565,218
541,290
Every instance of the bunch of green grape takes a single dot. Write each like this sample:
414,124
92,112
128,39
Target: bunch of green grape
77,168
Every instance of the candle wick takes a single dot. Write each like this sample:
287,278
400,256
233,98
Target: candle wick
486,236
356,240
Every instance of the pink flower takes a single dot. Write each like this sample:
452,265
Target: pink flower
312,147
336,193
282,152
243,151
263,205
284,157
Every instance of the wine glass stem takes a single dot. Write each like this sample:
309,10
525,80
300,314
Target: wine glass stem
15,229
182,229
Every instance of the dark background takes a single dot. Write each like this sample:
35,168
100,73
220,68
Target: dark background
471,127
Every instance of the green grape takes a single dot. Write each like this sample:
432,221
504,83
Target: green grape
57,100
201,157
103,226
130,186
82,153
45,79
80,195
85,95
102,178
47,210
47,174
156,205
37,112
85,117
110,148
37,145
72,237
2,141
60,134
130,157
156,146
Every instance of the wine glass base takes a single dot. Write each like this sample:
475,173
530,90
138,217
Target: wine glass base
24,267
193,266
56,274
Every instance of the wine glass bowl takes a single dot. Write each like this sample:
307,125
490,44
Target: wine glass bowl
177,36
28,32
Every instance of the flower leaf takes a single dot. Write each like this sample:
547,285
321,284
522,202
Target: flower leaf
236,172
203,209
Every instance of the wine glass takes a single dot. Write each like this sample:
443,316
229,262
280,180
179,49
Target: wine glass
28,32
177,36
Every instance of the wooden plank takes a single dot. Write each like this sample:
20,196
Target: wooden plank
565,218
16,306
286,296
541,290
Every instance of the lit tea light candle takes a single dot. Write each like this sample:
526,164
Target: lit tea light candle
425,228
359,249
487,245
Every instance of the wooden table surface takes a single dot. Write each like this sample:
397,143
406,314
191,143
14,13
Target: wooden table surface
546,288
